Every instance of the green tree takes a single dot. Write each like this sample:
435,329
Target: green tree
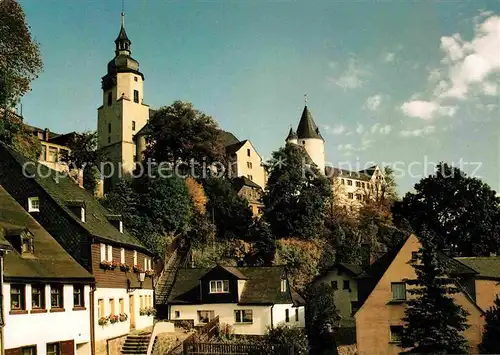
491,334
434,322
229,211
20,60
179,132
285,335
321,314
296,195
264,246
461,211
85,156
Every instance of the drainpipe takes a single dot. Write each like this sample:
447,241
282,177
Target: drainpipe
2,345
92,318
272,309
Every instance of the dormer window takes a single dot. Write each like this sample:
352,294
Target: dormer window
78,209
27,244
21,240
283,285
33,204
116,221
219,286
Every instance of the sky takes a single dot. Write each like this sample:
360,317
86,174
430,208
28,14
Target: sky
406,84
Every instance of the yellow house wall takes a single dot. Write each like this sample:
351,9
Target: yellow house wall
486,293
376,315
257,170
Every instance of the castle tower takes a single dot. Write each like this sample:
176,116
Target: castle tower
292,137
123,112
309,137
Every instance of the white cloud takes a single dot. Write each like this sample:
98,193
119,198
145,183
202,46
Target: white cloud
344,147
434,75
389,57
373,102
472,62
354,77
360,129
335,130
427,110
490,89
386,129
381,129
417,132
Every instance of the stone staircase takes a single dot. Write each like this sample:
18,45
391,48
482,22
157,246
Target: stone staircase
136,343
167,278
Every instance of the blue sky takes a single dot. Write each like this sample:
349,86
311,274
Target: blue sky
406,83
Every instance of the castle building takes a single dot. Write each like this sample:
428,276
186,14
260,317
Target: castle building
123,112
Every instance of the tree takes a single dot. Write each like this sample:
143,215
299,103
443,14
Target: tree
264,247
285,335
180,133
434,323
491,335
229,211
85,156
20,60
296,195
460,210
321,315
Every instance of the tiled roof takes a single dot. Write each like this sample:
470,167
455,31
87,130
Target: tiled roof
307,128
241,181
354,269
487,266
62,190
262,286
233,148
344,173
48,261
228,138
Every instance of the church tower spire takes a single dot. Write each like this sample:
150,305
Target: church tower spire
122,42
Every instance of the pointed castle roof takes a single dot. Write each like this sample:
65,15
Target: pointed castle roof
291,135
307,128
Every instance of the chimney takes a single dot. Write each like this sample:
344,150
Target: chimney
365,255
46,135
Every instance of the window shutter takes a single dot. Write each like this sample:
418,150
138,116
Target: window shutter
67,347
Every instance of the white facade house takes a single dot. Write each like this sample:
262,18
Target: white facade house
250,299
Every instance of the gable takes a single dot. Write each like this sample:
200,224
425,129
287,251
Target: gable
242,150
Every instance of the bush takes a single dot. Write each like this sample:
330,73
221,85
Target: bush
286,335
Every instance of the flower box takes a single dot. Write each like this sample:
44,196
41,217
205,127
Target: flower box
138,269
125,267
150,273
107,265
123,317
113,318
103,321
147,311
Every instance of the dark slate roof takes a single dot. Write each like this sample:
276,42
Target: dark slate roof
307,128
352,268
291,135
62,189
233,148
122,35
261,287
49,260
233,271
486,267
241,181
344,173
63,139
228,138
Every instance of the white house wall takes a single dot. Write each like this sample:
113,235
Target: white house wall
42,328
279,315
120,328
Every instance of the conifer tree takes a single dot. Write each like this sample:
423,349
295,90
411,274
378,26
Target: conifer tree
491,335
434,322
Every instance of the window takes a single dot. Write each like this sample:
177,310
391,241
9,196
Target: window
56,296
414,255
359,197
177,314
37,296
100,308
335,285
112,306
303,142
122,255
346,285
283,285
103,251
43,154
363,184
27,246
133,125
296,314
287,315
109,140
354,307
243,316
135,78
109,127
78,296
17,299
249,164
110,98
398,291
350,195
53,349
28,350
219,286
120,226
205,316
342,181
396,332
250,177
82,214
52,154
33,204
141,302
109,256
135,257
248,152
136,96
358,184
122,305
349,182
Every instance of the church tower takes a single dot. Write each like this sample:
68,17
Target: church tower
123,112
309,137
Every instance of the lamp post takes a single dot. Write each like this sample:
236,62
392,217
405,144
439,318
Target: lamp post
140,278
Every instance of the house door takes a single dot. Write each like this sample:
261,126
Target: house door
132,311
